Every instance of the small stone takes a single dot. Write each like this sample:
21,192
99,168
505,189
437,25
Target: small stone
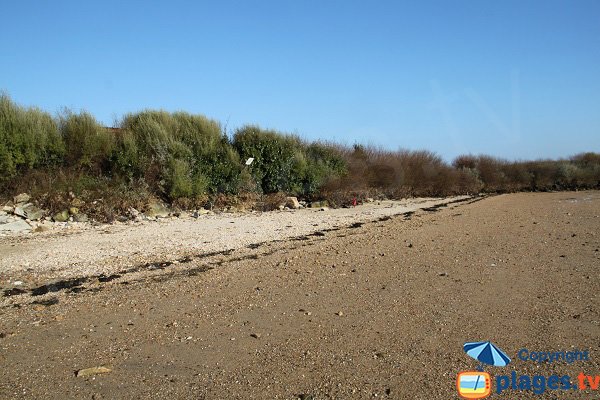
29,211
62,216
255,335
157,210
339,313
73,210
292,202
93,371
443,274
21,198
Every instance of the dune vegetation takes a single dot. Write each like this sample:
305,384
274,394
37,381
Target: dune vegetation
189,161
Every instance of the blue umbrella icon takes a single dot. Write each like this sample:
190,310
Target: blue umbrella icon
486,353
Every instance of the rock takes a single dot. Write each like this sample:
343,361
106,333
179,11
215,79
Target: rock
77,203
281,207
134,214
369,200
200,212
15,227
62,216
29,211
21,198
93,371
292,202
323,208
8,209
73,210
157,210
80,217
4,219
19,212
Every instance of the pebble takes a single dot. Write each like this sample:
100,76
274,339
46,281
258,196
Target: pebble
93,371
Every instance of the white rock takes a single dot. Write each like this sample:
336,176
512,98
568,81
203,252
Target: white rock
15,227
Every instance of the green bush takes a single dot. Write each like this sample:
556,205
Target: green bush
285,163
190,154
88,144
274,157
29,138
187,159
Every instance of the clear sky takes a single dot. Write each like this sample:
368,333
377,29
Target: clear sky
514,79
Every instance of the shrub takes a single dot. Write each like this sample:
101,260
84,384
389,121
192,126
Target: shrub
88,144
187,159
29,138
274,157
285,163
189,154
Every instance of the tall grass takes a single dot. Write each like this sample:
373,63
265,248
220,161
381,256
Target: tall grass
178,154
29,138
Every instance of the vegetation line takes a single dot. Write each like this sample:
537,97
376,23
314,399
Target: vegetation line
188,161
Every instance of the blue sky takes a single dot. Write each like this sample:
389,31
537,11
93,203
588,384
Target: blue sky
514,79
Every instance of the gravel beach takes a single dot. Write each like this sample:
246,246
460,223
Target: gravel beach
378,309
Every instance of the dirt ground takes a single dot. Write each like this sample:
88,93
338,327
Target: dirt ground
378,310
